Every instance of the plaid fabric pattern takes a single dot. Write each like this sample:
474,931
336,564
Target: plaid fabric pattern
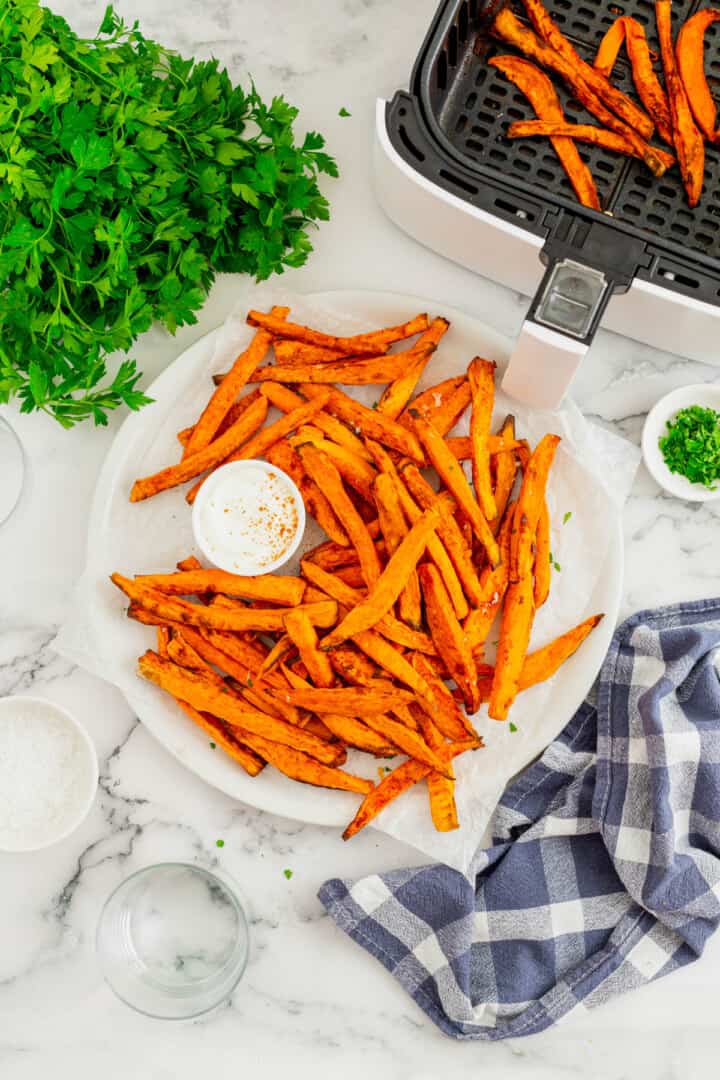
604,871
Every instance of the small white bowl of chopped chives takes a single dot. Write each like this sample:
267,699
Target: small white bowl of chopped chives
681,442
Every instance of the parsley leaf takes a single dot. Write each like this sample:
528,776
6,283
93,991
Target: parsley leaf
566,516
344,112
513,727
219,843
288,874
131,177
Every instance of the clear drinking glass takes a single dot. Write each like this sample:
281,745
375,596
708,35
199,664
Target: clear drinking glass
12,470
173,941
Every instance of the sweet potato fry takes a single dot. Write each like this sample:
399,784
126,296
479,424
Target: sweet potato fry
285,457
407,740
280,650
354,667
200,692
411,510
505,473
461,445
442,405
515,628
288,352
360,371
275,588
452,475
222,399
250,762
390,584
214,617
481,376
346,700
348,729
301,766
620,103
529,506
211,655
542,557
541,94
509,29
542,664
448,531
304,636
450,639
648,86
189,563
258,445
688,141
360,344
394,529
234,413
388,626
163,640
249,655
399,392
370,423
394,784
326,476
285,399
354,469
494,584
441,789
689,50
181,652
331,556
208,458
587,133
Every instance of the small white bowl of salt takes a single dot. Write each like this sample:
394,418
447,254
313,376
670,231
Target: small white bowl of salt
48,774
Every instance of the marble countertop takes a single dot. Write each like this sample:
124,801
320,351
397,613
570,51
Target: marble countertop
311,1002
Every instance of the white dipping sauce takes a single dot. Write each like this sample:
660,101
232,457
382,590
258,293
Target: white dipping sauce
248,518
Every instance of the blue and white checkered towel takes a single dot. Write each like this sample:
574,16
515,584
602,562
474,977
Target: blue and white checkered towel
604,872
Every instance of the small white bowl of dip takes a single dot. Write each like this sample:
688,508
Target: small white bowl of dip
248,518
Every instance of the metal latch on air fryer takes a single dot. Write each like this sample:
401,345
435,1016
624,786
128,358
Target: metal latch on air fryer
586,265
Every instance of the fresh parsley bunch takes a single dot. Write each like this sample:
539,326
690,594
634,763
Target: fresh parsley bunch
129,176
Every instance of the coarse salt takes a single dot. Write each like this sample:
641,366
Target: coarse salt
47,774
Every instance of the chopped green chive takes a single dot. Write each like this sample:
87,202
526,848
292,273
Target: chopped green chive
219,843
513,727
691,445
567,516
344,112
288,874
249,679
212,745
556,566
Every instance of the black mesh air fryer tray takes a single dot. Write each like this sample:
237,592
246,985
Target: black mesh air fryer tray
449,127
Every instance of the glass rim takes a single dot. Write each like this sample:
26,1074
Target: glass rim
239,953
4,423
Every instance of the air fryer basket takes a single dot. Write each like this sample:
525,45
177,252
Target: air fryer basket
450,127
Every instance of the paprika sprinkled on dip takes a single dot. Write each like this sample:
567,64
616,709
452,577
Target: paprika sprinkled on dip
248,517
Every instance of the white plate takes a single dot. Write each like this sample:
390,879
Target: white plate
120,537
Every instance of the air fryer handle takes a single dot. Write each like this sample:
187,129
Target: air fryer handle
542,366
557,332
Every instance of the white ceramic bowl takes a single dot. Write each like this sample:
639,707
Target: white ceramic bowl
48,821
205,512
705,394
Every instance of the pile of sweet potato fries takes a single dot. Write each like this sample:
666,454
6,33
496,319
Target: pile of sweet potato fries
682,112
356,650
